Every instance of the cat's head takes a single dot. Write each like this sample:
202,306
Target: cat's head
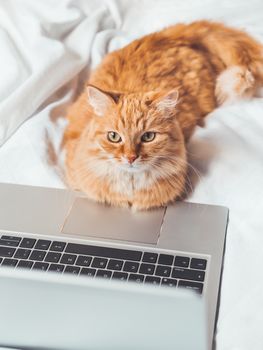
136,132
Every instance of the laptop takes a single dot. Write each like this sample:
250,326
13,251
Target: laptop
75,274
48,311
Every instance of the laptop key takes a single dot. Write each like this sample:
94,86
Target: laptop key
22,253
105,252
42,244
115,264
73,270
122,276
85,271
7,252
6,243
10,262
181,261
83,260
198,287
40,266
57,246
147,269
187,274
131,266
104,274
150,257
52,257
163,271
26,264
27,243
152,280
169,282
56,268
136,277
37,255
165,259
99,262
11,238
198,264
68,259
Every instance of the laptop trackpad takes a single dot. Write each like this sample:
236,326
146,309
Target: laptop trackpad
91,219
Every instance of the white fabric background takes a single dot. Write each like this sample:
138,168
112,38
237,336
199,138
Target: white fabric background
46,44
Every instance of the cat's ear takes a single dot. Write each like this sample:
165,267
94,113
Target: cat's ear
101,100
168,102
162,102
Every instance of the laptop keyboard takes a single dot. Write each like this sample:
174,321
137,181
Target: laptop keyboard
109,263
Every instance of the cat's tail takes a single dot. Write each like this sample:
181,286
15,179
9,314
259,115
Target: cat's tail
235,55
234,83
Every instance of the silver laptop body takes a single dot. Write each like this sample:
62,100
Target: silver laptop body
194,231
47,311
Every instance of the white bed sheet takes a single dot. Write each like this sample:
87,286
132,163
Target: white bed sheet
228,153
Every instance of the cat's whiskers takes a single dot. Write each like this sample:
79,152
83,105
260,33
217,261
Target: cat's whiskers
107,169
195,170
182,161
93,165
165,172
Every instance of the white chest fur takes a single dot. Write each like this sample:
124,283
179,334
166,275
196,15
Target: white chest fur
127,183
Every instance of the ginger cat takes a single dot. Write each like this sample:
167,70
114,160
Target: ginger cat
126,137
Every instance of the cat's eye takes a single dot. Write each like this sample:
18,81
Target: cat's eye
148,136
113,137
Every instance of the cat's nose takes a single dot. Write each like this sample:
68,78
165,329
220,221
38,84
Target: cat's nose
131,158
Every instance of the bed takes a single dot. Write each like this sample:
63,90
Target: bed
47,50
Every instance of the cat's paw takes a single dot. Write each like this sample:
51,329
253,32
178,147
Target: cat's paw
143,206
138,206
233,84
